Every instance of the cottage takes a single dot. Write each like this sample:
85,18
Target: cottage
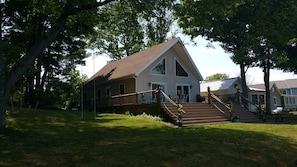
283,93
224,89
167,65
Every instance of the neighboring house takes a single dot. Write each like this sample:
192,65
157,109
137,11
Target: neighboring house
168,65
288,89
222,88
282,93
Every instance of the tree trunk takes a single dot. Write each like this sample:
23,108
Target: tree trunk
266,71
243,80
3,102
7,81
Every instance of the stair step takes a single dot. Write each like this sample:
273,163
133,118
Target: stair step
198,113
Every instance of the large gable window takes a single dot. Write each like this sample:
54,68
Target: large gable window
180,71
159,68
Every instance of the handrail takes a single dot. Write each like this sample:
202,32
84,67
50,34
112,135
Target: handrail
218,108
130,94
219,100
246,99
132,98
169,111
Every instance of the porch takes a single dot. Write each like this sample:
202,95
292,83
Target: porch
157,103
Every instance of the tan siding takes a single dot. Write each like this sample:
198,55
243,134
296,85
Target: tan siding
170,80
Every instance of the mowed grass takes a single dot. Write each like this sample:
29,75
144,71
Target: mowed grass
59,138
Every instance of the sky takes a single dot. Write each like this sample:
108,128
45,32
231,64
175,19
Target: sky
208,60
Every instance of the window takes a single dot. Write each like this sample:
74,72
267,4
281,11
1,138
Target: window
255,99
159,69
108,92
261,99
180,71
274,101
286,101
122,88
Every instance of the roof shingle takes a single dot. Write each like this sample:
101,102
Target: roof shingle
131,64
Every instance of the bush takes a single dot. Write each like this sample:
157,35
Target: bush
144,115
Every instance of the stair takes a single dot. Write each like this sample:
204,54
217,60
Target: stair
196,113
244,114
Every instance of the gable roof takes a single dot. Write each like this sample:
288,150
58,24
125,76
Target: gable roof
134,64
258,87
286,84
218,85
280,84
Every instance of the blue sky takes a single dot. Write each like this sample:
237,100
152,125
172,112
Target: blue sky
209,61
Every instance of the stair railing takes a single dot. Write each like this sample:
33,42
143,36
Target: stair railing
217,99
245,101
167,109
170,101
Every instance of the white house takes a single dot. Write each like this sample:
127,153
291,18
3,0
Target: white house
167,64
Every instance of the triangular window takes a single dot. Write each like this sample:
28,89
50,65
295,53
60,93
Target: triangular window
180,71
159,68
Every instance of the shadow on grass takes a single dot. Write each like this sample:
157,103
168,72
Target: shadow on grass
113,141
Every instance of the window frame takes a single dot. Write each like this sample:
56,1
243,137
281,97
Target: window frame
165,69
182,67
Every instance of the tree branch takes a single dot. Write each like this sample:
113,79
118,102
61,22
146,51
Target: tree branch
42,42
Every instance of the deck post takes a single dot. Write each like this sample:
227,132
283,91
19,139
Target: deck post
136,98
231,109
208,97
158,95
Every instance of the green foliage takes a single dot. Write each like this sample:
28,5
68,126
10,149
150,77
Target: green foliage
144,115
258,33
252,30
216,77
41,82
59,138
121,33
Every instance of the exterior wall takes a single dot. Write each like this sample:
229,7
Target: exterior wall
275,98
170,80
294,92
289,98
104,90
258,94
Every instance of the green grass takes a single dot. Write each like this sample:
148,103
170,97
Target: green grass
59,138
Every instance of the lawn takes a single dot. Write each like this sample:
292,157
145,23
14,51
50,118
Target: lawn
59,138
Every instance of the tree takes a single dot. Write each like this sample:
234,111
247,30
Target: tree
38,37
124,32
217,21
46,32
216,77
256,32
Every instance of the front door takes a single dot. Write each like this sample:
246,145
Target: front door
182,92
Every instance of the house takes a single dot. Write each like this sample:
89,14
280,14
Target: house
167,65
288,89
224,89
283,93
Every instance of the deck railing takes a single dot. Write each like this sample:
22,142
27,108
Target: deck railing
246,102
143,97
